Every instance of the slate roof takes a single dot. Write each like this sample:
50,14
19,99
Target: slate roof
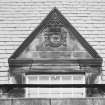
18,18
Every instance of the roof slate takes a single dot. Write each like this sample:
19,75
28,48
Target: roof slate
18,18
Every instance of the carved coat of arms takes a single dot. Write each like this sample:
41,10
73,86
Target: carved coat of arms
55,38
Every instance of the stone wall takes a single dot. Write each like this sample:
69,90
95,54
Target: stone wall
73,101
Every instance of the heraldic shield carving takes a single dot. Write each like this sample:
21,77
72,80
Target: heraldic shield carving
55,37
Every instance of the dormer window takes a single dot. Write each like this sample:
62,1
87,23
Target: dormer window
55,54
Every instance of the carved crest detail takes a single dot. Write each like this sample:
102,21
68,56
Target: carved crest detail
55,37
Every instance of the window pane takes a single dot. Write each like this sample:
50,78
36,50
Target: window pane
67,77
55,77
44,77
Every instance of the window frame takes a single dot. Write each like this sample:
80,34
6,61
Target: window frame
55,85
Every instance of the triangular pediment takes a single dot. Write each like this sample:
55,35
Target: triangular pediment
55,38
